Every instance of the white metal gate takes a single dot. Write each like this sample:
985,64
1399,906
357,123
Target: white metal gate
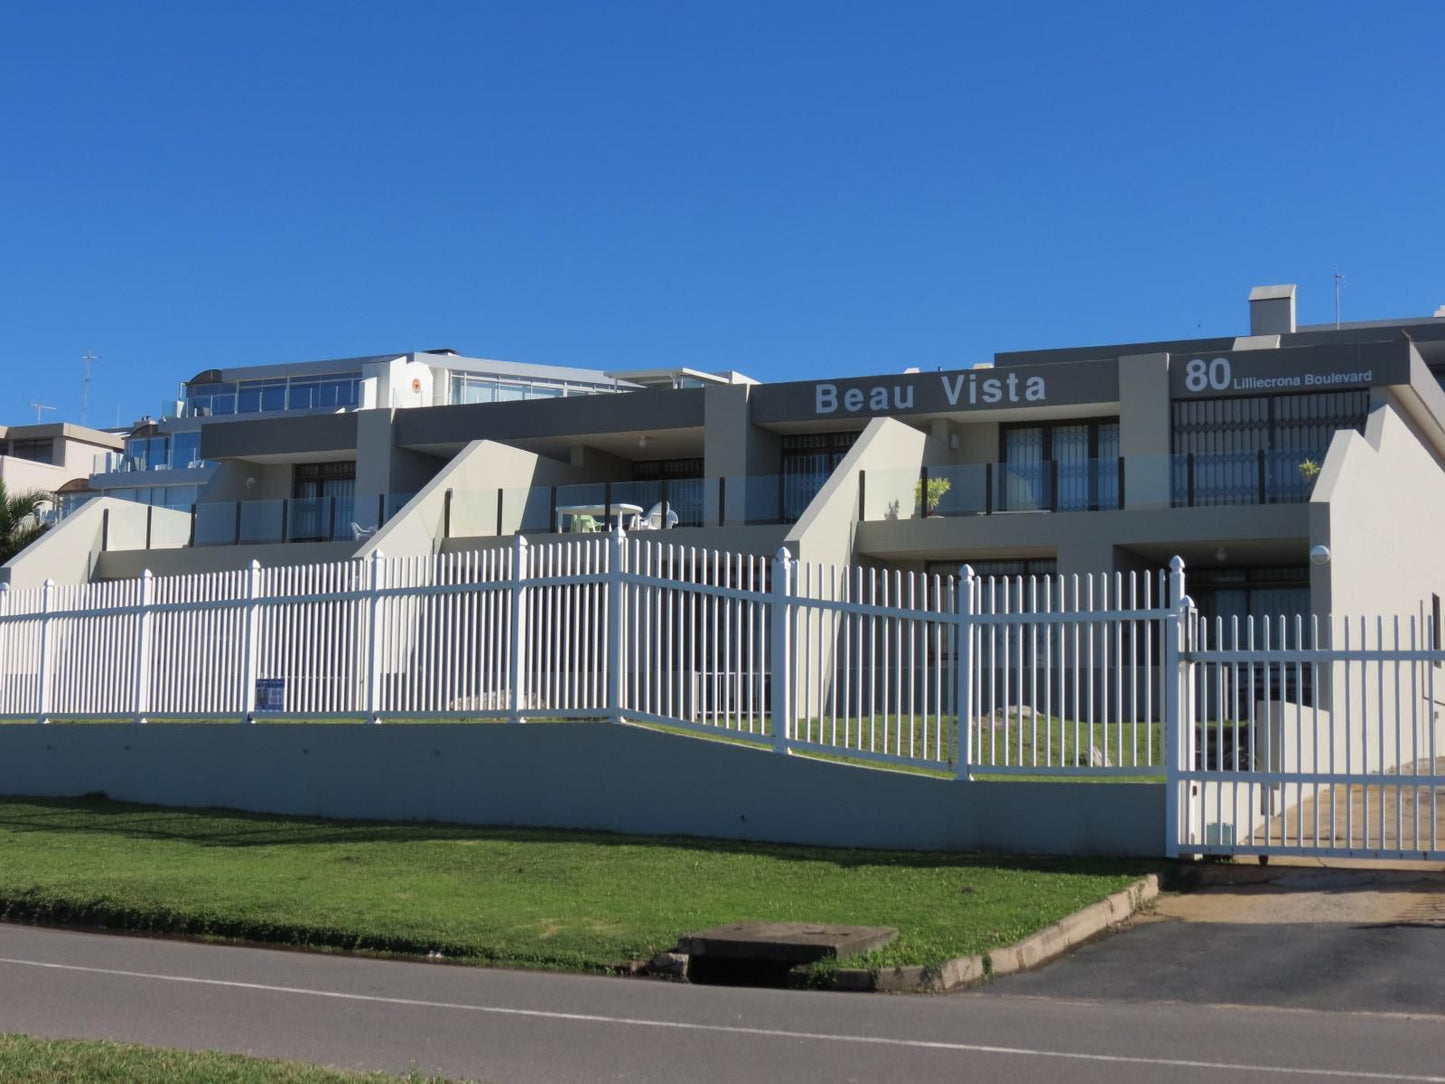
1310,736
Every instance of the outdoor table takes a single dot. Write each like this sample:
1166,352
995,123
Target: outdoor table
617,509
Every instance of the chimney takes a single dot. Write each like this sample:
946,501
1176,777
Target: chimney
1271,310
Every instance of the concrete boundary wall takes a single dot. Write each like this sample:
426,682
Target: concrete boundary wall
572,775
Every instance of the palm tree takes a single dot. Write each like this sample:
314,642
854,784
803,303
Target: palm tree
20,522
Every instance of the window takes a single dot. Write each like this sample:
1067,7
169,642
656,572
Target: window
1302,423
654,470
335,392
481,388
178,497
468,390
1063,466
808,460
211,399
324,479
1249,450
677,480
254,396
185,449
39,451
1228,593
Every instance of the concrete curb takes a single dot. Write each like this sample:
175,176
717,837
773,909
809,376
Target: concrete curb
1046,945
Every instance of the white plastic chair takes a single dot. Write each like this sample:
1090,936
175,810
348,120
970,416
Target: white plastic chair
653,521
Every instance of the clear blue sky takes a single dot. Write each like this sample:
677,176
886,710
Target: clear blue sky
794,190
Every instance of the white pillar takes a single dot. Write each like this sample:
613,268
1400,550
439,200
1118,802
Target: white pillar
251,659
617,653
781,650
42,710
963,674
520,571
1178,712
373,638
143,647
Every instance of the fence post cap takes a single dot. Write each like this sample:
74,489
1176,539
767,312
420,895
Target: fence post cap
783,555
966,572
146,573
1176,563
521,542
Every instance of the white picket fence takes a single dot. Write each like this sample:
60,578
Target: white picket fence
1314,738
1052,675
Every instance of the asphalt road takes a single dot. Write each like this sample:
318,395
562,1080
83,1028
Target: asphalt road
1329,967
516,1027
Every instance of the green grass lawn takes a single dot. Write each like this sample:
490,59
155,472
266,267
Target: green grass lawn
513,897
24,1060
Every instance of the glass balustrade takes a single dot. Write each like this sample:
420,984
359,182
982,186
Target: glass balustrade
1271,476
976,489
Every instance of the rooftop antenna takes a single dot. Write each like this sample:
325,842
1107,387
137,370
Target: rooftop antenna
38,407
1339,278
85,391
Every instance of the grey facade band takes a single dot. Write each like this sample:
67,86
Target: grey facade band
938,392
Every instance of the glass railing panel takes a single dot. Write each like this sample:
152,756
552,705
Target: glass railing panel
474,512
1290,475
1022,487
395,502
676,502
261,521
580,508
527,509
890,494
1085,485
216,523
367,512
959,490
763,497
309,519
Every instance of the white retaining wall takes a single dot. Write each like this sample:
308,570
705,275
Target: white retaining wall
571,775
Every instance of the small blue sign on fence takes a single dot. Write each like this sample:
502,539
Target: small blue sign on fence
270,694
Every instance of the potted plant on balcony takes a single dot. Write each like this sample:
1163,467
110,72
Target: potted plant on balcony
1309,470
936,489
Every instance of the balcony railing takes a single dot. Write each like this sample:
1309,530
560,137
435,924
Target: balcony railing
973,489
1258,477
115,463
299,519
674,502
1235,478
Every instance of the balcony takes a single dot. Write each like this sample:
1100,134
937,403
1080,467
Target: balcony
980,489
676,502
300,519
1178,481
